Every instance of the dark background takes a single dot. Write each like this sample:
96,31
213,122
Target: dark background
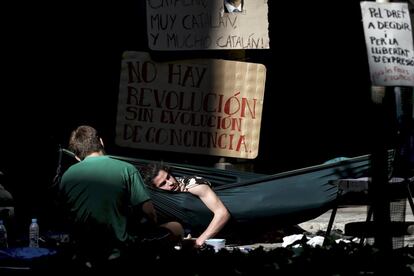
61,66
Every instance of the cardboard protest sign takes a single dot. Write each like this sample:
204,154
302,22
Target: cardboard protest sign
389,40
202,25
211,107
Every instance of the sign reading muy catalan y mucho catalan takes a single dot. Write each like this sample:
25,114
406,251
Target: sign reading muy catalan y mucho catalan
206,24
210,106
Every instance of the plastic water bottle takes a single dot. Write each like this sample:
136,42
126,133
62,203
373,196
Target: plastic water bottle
34,234
3,235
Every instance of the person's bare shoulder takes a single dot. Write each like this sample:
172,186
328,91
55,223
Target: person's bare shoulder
199,189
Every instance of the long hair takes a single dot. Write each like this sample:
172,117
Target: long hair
85,140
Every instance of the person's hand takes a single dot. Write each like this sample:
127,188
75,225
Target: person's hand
196,242
199,243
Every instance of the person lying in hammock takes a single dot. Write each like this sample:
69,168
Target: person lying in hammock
157,175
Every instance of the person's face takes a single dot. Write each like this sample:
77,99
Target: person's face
165,181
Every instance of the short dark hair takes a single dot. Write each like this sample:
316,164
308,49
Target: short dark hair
85,140
151,170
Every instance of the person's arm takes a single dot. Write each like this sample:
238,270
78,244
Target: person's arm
149,211
213,202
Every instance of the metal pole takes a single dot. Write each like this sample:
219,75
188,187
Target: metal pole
380,173
378,186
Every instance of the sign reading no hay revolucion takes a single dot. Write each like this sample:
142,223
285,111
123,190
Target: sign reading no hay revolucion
205,25
208,106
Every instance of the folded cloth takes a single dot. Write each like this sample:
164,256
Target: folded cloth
26,253
289,240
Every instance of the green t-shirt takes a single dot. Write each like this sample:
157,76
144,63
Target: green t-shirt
100,192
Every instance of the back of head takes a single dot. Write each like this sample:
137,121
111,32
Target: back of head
84,140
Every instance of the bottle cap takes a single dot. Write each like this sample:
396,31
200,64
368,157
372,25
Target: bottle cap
34,220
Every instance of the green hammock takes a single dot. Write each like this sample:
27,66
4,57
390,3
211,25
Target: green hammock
283,199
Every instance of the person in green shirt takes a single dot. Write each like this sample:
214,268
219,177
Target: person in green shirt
107,201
